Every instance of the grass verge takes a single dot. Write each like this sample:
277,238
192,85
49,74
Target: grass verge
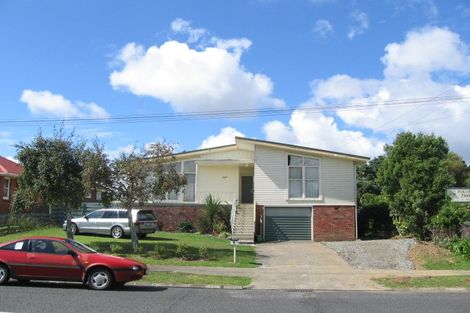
425,282
196,279
161,248
427,255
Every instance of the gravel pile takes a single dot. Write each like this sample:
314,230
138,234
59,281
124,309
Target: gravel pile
375,254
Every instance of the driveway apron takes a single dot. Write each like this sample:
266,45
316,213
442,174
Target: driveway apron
306,265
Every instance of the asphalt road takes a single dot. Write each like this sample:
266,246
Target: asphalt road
51,298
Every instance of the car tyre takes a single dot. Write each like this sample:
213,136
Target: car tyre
4,274
117,232
74,228
100,279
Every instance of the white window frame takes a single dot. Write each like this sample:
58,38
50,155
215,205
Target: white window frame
6,195
303,197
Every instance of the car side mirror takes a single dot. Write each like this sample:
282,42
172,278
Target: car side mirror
72,253
86,217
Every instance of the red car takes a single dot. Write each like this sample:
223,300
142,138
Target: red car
59,259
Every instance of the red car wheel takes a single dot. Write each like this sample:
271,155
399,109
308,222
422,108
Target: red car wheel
4,274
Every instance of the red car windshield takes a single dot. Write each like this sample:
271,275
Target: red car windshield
80,246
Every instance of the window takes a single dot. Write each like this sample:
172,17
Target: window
303,177
16,246
48,246
6,188
188,193
123,214
110,214
190,187
96,214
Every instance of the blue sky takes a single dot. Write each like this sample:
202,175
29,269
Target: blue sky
349,74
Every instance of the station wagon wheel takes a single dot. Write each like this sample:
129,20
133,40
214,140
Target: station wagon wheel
100,279
117,232
74,228
4,274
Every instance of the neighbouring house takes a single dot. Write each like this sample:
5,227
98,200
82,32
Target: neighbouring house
9,172
282,191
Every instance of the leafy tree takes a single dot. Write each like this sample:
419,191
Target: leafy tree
458,169
140,177
414,178
367,177
96,174
52,173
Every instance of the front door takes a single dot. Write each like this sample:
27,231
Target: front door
247,189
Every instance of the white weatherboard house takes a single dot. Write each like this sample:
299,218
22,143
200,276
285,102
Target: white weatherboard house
283,192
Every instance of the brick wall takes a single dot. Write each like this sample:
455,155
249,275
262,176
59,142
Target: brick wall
334,223
170,217
5,204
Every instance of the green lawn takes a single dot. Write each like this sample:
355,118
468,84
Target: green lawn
454,262
426,282
217,251
194,279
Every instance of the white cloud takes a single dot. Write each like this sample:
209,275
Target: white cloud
48,104
180,25
225,137
425,51
194,80
361,24
322,132
412,70
323,28
115,153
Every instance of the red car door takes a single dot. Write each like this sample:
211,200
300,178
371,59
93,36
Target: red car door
48,259
14,255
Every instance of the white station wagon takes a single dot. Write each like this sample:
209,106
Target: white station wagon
114,222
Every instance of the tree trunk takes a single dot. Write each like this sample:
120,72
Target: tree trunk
134,238
69,224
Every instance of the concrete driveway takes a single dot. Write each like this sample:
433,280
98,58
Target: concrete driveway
305,265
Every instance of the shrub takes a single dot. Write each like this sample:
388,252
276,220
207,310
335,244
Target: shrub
447,222
203,253
215,217
183,251
116,248
460,246
159,252
374,217
139,250
186,227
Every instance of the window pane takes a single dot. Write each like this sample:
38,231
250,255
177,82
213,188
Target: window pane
294,160
42,246
295,172
59,248
172,196
295,188
311,189
110,214
190,167
189,189
123,214
311,162
96,214
311,173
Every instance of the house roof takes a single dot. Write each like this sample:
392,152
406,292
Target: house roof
302,149
243,141
9,168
